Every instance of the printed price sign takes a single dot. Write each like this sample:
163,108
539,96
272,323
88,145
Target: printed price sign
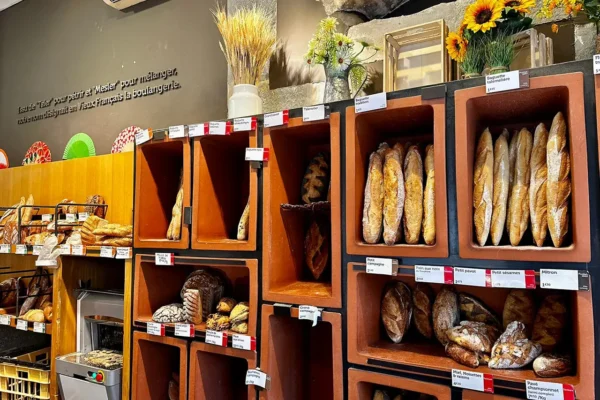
564,279
83,216
310,313
4,248
216,338
538,390
473,380
142,137
471,276
243,342
596,64
39,327
177,131
71,218
65,249
185,330
37,249
519,279
21,249
4,319
78,250
47,217
276,118
107,252
164,259
244,124
257,378
219,128
313,113
156,329
381,266
22,325
506,81
195,130
370,103
434,274
257,154
123,253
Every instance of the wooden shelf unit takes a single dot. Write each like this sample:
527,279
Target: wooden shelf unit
362,385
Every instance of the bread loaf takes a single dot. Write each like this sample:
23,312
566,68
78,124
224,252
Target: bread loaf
558,187
381,395
316,179
66,208
173,390
500,188
519,213
483,187
422,304
402,154
114,230
48,312
240,327
27,212
114,241
192,306
413,203
393,200
473,309
373,207
240,312
174,230
171,313
512,158
396,310
91,223
537,186
519,306
474,336
95,210
513,349
552,365
242,231
30,301
429,198
34,316
218,322
316,247
550,321
462,355
211,287
445,313
225,305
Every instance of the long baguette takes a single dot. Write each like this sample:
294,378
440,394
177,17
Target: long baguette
537,186
501,180
512,157
429,198
483,187
402,153
373,207
413,203
558,188
519,206
393,201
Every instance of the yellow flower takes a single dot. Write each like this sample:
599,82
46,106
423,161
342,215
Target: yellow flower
329,24
521,6
483,14
457,46
554,28
461,29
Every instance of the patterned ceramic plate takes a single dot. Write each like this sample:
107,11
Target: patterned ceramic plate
126,140
3,159
38,153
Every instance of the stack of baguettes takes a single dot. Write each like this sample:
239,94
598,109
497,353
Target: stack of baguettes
396,201
526,181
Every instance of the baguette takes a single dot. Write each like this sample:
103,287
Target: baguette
174,231
512,157
393,200
402,153
429,198
558,187
500,189
537,186
373,208
413,204
519,206
483,187
242,231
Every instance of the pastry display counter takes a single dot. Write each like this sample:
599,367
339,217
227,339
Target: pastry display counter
362,385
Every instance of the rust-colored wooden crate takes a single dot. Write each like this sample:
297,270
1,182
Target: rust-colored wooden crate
158,168
546,96
223,184
362,385
408,119
304,362
286,277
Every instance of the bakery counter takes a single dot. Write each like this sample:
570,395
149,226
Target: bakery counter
220,373
304,362
527,152
224,186
301,234
160,366
163,193
396,180
396,324
364,385
215,294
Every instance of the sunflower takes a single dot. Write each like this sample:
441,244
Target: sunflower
457,46
483,14
520,6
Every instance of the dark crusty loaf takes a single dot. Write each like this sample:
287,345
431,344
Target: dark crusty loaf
550,321
423,297
396,310
373,202
519,306
549,365
316,179
445,313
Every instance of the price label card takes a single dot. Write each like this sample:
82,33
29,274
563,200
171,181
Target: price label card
156,329
83,216
370,103
538,390
471,277
107,252
185,330
313,113
596,64
216,338
71,218
78,250
142,137
65,249
434,274
4,319
164,259
257,154
39,327
123,253
506,81
219,128
310,313
276,118
4,248
47,217
381,266
244,124
564,279
196,130
22,325
177,131
243,342
37,249
21,249
473,380
519,279
257,378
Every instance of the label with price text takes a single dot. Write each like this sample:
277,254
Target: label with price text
4,319
107,252
473,381
513,278
78,250
123,253
155,329
164,259
257,378
310,313
369,103
538,390
313,113
243,342
506,81
381,266
276,118
564,279
434,274
22,325
177,131
4,248
216,338
21,249
244,124
39,327
143,136
471,277
185,330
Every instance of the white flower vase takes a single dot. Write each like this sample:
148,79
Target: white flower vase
245,101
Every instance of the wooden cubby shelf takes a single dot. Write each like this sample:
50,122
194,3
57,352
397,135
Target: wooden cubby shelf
158,169
405,120
362,386
546,96
369,344
286,276
304,362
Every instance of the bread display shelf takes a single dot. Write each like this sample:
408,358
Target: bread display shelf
158,169
304,362
219,373
286,275
223,184
155,359
362,385
409,119
546,95
47,326
369,345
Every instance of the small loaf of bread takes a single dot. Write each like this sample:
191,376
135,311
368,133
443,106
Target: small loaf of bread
558,187
114,230
373,207
429,198
519,213
519,306
483,187
537,186
242,231
422,298
393,200
413,203
501,179
512,158
550,321
552,365
174,231
462,355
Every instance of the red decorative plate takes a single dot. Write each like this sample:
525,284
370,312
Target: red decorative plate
3,159
126,140
38,153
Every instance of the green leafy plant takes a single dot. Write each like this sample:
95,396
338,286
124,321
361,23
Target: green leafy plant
499,50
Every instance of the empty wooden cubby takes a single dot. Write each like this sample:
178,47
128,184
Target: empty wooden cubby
362,386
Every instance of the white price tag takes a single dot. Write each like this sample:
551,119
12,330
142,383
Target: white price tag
83,216
65,249
244,124
434,274
177,131
539,390
310,313
506,81
243,342
276,118
184,330
164,259
21,249
216,338
71,218
142,137
596,64
107,252
473,380
39,327
313,113
470,277
4,319
564,279
78,250
195,130
380,266
123,253
218,128
156,329
257,378
37,249
257,154
47,217
4,248
22,325
508,278
370,103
